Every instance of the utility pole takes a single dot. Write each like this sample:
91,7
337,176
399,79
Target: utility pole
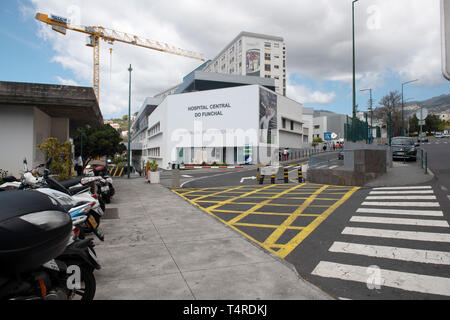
129,116
402,132
370,109
354,76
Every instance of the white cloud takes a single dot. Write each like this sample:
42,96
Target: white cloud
401,36
303,94
66,82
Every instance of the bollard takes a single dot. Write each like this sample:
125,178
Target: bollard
272,179
176,177
421,157
261,179
257,175
426,162
286,175
300,174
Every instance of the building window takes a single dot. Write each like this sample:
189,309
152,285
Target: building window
153,152
267,44
267,76
276,67
267,56
267,67
317,127
283,123
276,45
292,125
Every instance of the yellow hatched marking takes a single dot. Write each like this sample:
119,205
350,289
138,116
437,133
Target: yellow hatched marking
286,223
264,225
236,197
212,194
259,205
294,242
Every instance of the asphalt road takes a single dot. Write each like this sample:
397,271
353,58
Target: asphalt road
377,244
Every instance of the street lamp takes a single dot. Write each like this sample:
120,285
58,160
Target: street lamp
354,81
129,112
402,133
370,108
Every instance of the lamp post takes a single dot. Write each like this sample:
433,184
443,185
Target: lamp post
354,81
371,109
129,112
402,133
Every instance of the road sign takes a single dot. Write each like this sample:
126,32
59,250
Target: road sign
327,136
422,114
421,122
334,135
445,30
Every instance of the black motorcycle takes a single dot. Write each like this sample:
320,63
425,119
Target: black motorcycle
39,256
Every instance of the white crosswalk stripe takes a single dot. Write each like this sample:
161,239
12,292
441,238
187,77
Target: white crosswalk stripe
430,213
404,254
388,278
412,222
405,222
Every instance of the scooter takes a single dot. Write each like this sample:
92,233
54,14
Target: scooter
52,188
101,171
34,229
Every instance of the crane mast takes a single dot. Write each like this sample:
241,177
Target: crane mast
95,33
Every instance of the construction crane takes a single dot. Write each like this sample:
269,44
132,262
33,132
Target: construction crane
95,33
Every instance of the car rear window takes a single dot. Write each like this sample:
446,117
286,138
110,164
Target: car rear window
402,141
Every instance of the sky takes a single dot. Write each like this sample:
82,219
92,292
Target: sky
396,41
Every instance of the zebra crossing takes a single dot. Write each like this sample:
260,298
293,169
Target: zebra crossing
402,234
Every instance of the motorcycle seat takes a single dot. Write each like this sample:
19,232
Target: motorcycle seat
75,190
71,182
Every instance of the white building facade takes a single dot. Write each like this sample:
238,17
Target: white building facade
253,54
238,125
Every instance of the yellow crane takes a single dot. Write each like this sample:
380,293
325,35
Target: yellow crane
95,33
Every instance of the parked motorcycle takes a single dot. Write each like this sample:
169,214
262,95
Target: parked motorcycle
39,257
68,200
101,171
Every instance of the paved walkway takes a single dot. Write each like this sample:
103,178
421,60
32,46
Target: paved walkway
162,247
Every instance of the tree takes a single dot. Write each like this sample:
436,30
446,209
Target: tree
105,141
60,156
390,103
432,123
414,124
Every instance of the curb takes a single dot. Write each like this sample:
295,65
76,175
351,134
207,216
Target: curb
213,167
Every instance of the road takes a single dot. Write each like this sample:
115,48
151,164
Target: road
366,243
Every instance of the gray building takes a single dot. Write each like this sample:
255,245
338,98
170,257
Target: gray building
30,113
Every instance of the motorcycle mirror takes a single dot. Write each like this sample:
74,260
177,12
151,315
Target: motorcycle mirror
47,164
25,164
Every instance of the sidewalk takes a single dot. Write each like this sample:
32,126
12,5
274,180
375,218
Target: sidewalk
402,174
162,247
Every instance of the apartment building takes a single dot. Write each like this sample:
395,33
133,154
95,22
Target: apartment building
253,54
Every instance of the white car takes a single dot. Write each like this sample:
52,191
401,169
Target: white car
438,135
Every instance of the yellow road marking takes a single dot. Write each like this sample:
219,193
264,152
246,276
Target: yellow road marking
294,242
259,205
243,192
212,194
280,230
264,225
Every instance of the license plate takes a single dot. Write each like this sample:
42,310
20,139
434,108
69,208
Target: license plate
105,189
92,222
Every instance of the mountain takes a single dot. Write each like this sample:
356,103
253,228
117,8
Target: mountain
436,105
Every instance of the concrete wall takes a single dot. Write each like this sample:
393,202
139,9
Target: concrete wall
42,131
60,129
16,138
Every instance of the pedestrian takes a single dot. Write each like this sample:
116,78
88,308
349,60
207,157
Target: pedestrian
324,147
334,146
285,154
79,166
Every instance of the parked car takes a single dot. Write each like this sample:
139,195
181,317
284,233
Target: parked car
446,134
404,148
438,135
422,138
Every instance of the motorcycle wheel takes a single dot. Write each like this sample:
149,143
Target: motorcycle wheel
88,285
102,203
